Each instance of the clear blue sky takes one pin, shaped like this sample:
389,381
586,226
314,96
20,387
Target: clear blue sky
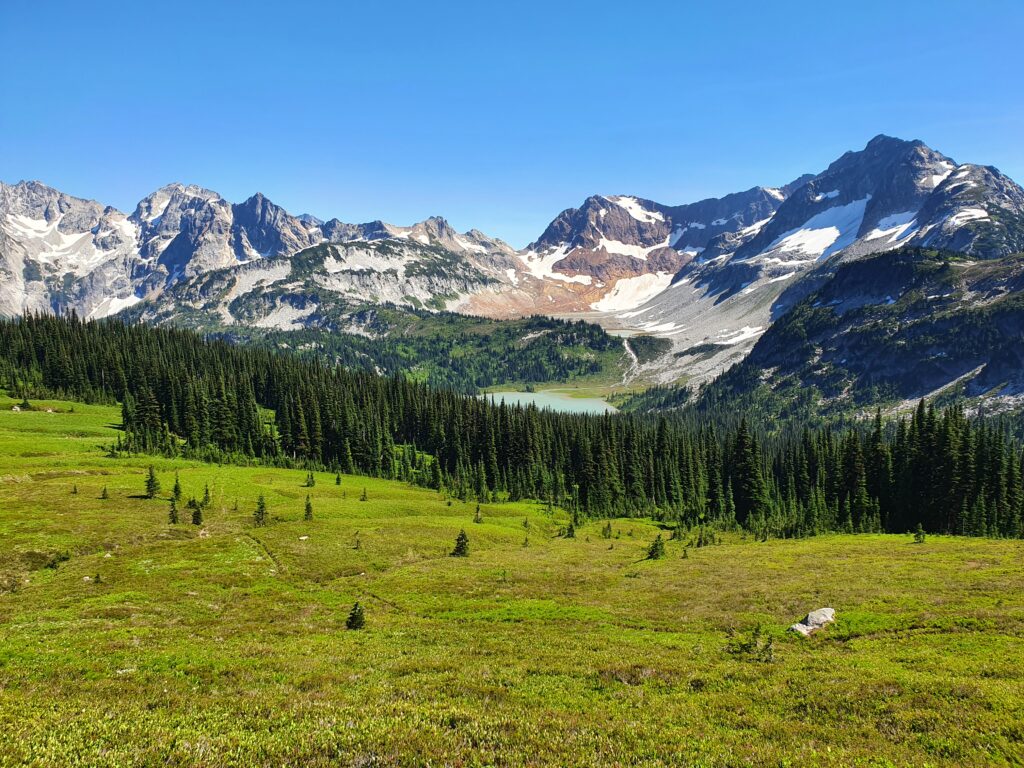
495,115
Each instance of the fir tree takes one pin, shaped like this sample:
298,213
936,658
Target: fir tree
104,494
259,516
172,513
478,517
461,545
152,483
657,549
176,492
197,511
363,496
308,515
356,617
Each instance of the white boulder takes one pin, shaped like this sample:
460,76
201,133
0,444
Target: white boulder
814,621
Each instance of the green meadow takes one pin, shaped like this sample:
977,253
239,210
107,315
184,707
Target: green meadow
125,640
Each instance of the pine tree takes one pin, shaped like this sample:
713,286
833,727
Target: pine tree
104,494
363,496
461,545
197,511
356,617
337,479
74,489
478,517
657,549
176,492
570,532
152,484
206,495
259,516
172,513
309,509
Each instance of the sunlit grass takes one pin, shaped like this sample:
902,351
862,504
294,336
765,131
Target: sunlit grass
225,644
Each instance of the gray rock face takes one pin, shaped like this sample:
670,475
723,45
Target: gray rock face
814,621
711,275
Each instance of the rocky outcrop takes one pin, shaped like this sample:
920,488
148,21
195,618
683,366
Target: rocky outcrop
814,621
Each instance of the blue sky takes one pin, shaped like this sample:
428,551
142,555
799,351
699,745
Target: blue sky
495,115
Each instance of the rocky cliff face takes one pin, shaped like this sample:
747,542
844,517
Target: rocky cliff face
893,328
711,276
891,194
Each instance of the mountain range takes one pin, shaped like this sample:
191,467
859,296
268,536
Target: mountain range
710,276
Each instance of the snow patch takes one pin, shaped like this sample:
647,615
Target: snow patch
636,210
631,292
824,233
965,215
625,249
542,266
743,334
112,305
895,227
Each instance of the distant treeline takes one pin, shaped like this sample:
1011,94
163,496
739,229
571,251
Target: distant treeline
453,351
182,394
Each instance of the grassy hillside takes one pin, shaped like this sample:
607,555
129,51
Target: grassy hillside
226,644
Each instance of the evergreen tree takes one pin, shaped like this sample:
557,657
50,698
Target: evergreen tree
152,483
308,515
259,516
176,492
172,513
104,494
197,511
461,545
657,549
356,617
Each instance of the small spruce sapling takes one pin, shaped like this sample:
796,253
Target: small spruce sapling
104,494
206,495
176,491
308,515
74,489
197,511
337,479
478,518
172,513
461,545
356,617
259,516
919,534
152,484
657,549
364,497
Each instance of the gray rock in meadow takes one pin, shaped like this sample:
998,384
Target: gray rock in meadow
814,621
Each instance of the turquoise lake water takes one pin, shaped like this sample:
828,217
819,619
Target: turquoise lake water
555,400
